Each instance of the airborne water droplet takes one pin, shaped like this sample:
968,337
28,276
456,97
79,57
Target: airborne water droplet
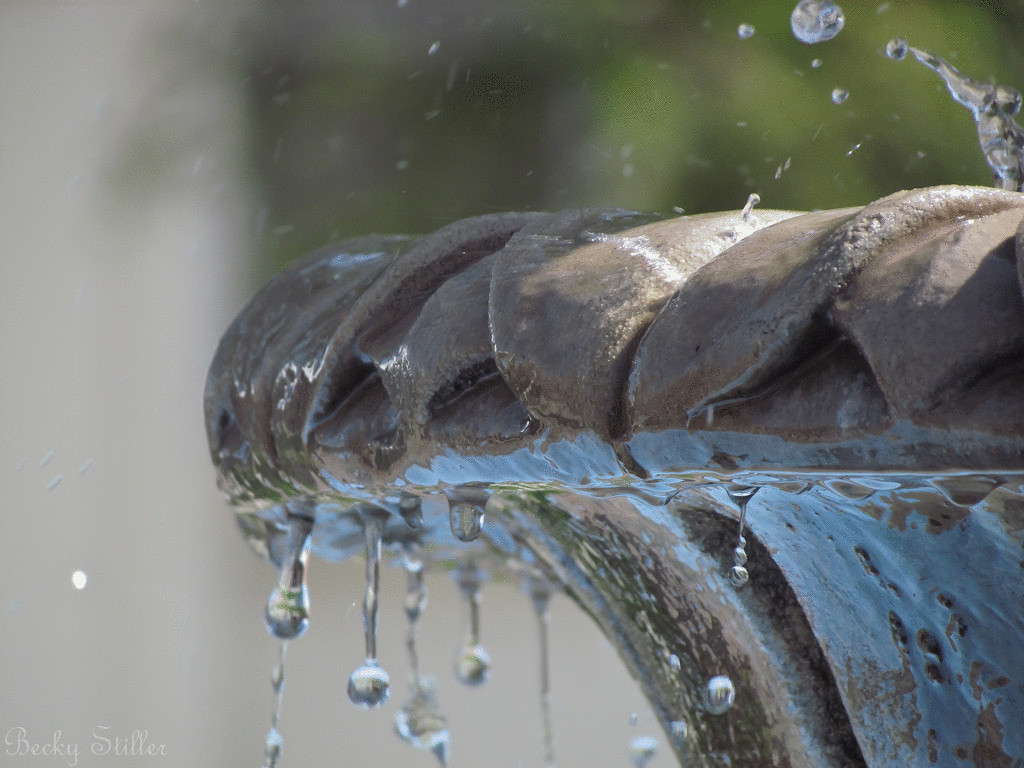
719,695
815,21
642,749
79,579
839,95
287,611
745,31
466,520
896,49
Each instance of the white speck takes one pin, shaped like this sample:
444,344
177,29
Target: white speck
745,31
434,48
401,165
79,579
839,95
432,114
816,63
85,467
47,458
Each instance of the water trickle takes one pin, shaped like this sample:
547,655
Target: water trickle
273,743
642,750
421,722
815,21
839,95
287,612
466,520
540,590
369,686
740,496
993,108
719,695
745,31
473,663
753,200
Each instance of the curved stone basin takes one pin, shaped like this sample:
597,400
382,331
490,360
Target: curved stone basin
598,381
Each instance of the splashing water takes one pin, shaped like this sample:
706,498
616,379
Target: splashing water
814,21
993,108
753,200
287,612
369,686
719,695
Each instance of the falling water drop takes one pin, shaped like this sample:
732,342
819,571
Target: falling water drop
815,21
370,685
745,31
816,63
719,695
466,520
839,95
473,663
287,612
896,49
642,750
79,579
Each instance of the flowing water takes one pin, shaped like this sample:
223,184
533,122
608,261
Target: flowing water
900,574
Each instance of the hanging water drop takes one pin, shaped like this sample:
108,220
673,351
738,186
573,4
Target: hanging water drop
466,520
719,695
473,663
370,685
745,31
421,722
839,95
411,509
287,611
642,750
896,49
815,21
741,496
272,748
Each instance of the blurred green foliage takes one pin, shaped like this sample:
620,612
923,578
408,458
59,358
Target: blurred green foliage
376,117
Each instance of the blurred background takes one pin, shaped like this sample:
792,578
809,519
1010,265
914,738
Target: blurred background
161,160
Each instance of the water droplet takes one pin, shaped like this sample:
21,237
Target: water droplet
434,48
54,482
814,21
816,63
473,662
272,748
411,509
642,749
473,665
745,31
369,686
673,661
466,520
47,458
422,723
896,49
738,576
839,95
719,695
79,579
287,612
677,729
753,200
739,556
634,718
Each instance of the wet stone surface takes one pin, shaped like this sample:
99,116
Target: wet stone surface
774,451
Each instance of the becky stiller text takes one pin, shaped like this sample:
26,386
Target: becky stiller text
103,742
